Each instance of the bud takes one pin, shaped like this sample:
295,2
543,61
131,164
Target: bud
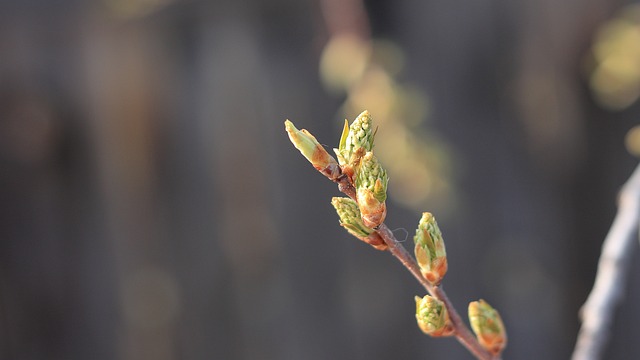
342,146
313,151
429,250
432,317
371,190
361,134
351,220
356,140
487,324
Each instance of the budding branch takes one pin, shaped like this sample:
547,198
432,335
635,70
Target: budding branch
461,332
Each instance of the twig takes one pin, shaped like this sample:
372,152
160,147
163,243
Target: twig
597,312
461,332
367,169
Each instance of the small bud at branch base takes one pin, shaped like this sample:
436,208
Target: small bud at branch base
351,220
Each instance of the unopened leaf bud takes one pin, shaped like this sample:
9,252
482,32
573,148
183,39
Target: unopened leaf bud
341,151
430,250
361,133
432,316
313,151
351,220
371,190
488,326
356,140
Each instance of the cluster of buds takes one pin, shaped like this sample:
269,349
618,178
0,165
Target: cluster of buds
351,220
487,324
429,249
355,156
362,216
355,161
432,317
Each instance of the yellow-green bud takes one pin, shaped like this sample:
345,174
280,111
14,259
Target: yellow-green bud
341,151
429,249
371,190
351,220
361,134
488,326
432,316
313,151
356,140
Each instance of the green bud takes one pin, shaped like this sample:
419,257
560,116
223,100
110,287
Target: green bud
351,220
356,140
342,146
488,326
313,151
371,190
372,176
361,134
349,214
429,249
432,316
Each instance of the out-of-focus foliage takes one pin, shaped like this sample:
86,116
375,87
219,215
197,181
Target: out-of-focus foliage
129,9
615,71
148,208
632,141
418,161
343,62
615,67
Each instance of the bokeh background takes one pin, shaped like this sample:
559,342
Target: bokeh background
152,207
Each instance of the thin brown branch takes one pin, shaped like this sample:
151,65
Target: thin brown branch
349,16
597,312
461,331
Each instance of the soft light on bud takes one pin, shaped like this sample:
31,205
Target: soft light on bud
351,220
371,190
313,151
488,326
429,249
356,140
432,316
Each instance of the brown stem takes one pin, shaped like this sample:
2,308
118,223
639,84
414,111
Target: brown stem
349,17
345,186
401,254
461,332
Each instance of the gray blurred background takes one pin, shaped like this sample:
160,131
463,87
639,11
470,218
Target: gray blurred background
152,207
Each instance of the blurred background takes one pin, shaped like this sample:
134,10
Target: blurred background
152,207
